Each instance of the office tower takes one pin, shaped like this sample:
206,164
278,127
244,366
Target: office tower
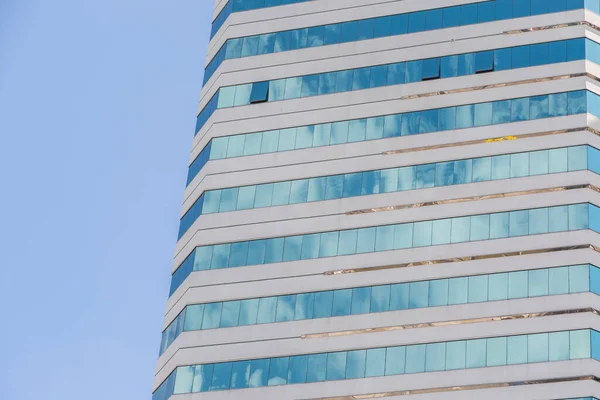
391,199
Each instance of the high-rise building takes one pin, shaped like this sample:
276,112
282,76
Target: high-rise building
391,199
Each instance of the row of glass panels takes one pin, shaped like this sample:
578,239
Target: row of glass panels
384,361
382,298
389,237
400,73
448,173
401,124
246,5
389,180
392,25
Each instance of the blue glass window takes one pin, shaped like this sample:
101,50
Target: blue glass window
393,74
393,360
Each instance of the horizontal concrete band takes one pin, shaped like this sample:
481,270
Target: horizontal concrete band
308,333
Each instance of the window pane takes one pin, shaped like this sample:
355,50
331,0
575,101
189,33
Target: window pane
415,358
336,366
347,242
441,231
278,371
342,302
422,234
456,355
482,169
285,308
498,287
370,183
212,315
299,191
361,300
230,314
202,378
419,294
304,306
538,283
579,279
380,298
375,128
558,219
501,112
193,317
537,348
460,229
399,296
435,357
280,194
274,250
499,225
558,160
323,304
395,360
517,284
458,290
267,307
327,83
366,240
464,116
375,364
476,353
539,107
356,364
317,367
558,345
292,248
259,373
538,221
248,312
403,236
310,246
184,380
538,162
483,114
316,189
579,344
329,244
480,227
558,280
478,287
240,374
298,368
519,165
221,376
517,350
496,351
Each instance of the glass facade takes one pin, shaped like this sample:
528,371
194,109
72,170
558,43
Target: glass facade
287,241
390,25
405,72
402,124
448,173
247,5
382,298
389,237
383,361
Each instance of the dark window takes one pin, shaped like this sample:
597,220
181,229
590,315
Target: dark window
260,92
431,69
484,61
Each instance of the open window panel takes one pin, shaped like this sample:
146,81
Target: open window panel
259,93
484,62
431,69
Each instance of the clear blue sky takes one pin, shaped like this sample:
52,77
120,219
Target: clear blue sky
97,109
